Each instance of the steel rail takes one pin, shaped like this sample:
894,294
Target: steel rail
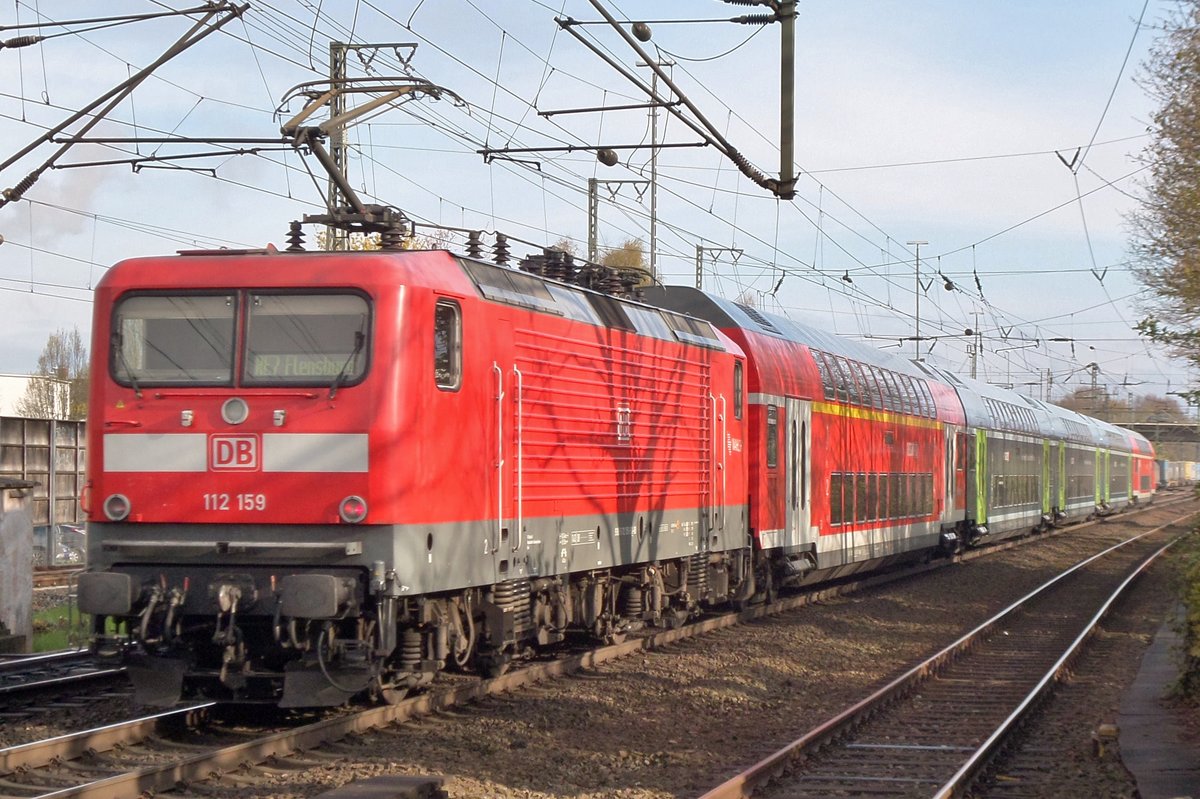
744,784
98,739
54,576
64,681
21,662
201,766
978,761
51,671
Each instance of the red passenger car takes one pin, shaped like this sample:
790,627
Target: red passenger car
849,446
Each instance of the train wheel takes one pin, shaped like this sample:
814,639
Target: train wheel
605,631
674,618
493,663
764,576
385,692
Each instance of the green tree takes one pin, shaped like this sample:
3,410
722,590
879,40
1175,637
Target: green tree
59,387
1165,229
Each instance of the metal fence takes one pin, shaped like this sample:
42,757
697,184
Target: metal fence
52,454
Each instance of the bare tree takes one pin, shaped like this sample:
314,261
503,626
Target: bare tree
630,255
59,387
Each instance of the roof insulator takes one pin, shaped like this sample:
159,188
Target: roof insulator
475,244
295,238
500,251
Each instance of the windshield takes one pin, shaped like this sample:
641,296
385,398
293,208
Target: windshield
290,339
308,339
180,339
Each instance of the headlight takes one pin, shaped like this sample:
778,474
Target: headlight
116,507
353,509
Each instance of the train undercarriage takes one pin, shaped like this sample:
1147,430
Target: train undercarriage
325,637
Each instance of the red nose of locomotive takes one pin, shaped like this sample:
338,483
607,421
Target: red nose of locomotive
234,407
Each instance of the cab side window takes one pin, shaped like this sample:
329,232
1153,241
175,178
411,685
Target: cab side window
737,390
447,345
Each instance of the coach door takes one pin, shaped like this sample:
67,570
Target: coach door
1051,474
950,476
799,490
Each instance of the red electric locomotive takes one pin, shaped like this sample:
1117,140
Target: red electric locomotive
313,475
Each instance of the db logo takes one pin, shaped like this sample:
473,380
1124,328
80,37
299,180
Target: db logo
233,453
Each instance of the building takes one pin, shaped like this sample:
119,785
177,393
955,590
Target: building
13,387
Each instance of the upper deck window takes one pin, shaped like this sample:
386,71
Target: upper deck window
826,373
868,391
879,379
306,339
927,396
173,339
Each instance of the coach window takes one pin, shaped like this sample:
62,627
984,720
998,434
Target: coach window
927,399
910,395
837,514
772,436
845,383
891,400
852,379
447,345
862,508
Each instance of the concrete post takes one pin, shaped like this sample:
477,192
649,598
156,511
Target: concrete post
16,565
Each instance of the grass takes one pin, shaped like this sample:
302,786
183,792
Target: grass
52,629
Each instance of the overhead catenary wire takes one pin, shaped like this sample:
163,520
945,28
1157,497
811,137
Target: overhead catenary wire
676,234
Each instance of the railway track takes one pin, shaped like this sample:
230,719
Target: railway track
55,576
933,731
145,755
34,683
149,755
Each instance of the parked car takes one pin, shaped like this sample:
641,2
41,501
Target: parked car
68,542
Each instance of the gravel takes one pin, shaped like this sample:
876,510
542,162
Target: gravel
677,721
46,598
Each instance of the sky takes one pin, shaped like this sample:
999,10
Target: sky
938,121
